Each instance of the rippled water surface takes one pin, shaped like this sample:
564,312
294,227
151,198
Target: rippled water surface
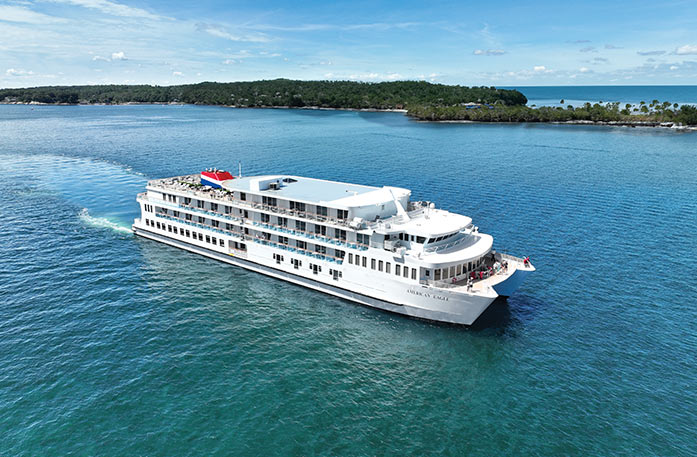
116,345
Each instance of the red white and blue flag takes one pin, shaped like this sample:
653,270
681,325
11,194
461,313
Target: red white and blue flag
215,178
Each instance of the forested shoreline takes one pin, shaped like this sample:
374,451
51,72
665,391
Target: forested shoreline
421,100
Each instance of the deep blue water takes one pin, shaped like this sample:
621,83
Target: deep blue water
115,345
578,95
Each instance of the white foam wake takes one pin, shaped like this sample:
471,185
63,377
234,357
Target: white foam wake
102,222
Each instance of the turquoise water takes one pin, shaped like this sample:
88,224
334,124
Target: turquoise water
116,345
578,95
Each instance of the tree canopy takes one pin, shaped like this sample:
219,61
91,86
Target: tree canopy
277,92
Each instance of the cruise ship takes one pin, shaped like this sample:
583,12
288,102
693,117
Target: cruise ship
370,245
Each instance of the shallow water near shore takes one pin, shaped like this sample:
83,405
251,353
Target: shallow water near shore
115,345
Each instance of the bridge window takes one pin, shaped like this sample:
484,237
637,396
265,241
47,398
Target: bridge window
398,270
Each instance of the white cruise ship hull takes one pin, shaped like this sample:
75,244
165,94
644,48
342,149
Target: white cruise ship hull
454,306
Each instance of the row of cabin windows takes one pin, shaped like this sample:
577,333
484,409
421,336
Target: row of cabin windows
407,237
169,198
456,270
441,238
148,208
187,233
380,265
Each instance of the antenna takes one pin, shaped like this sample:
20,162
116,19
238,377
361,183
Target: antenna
239,168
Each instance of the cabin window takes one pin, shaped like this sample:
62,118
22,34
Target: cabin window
320,229
301,244
398,270
387,267
215,223
200,236
341,214
208,239
372,264
215,241
365,261
265,217
340,234
380,265
320,249
420,239
188,234
428,273
350,258
214,207
363,239
169,228
300,225
322,210
413,273
459,269
201,220
199,203
188,217
406,271
412,237
243,196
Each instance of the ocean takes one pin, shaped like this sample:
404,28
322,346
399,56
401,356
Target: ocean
578,95
115,345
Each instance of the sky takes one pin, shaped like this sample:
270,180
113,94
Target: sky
501,43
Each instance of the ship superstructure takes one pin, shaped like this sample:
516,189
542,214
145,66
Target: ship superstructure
371,245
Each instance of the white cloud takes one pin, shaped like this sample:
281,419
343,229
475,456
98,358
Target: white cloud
177,73
584,70
112,8
100,58
539,68
674,67
20,14
650,53
220,32
489,52
329,75
16,72
687,49
229,61
118,56
393,76
588,49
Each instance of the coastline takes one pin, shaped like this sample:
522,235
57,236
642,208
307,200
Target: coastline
638,124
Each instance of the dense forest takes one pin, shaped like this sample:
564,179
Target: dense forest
277,92
422,100
652,113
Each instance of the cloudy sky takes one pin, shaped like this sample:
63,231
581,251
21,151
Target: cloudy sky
50,42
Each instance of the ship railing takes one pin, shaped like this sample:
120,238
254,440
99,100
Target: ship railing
310,235
199,225
296,250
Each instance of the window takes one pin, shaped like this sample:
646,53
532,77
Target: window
271,201
398,269
228,209
199,203
321,230
169,228
340,234
301,244
201,220
221,242
413,273
228,227
208,239
459,269
322,210
339,253
174,229
358,260
406,271
215,223
372,264
350,258
214,207
452,272
342,214
297,206
365,260
215,241
245,214
380,265
200,236
320,249
243,197
420,239
265,217
188,234
283,221
363,239
187,217
387,267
